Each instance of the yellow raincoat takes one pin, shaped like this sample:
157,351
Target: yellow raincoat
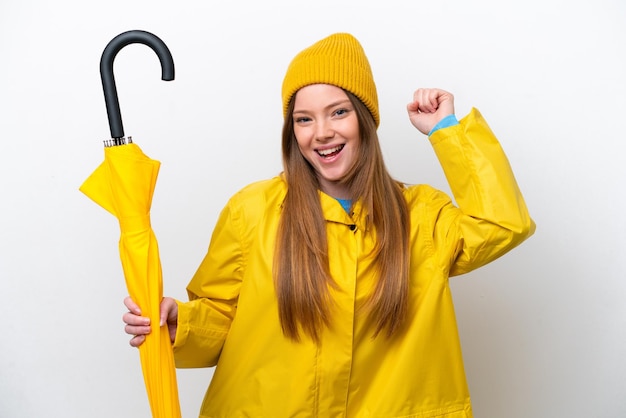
232,318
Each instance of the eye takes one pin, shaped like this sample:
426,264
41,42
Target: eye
341,112
301,119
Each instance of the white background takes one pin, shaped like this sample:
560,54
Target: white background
543,329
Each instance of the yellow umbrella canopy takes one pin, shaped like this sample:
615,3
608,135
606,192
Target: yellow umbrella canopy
124,184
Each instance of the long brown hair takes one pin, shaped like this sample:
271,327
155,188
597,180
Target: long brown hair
301,266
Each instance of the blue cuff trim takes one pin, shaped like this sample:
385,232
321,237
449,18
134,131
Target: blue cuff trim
446,122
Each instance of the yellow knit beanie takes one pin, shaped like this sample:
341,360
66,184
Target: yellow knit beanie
338,59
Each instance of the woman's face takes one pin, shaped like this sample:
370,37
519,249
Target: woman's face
327,131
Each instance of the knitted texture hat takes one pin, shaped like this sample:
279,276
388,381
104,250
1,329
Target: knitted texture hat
338,59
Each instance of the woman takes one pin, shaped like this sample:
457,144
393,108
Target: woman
324,291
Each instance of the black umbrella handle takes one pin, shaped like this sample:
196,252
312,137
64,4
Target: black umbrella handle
108,80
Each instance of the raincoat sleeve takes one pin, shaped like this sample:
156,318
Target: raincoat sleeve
492,217
204,321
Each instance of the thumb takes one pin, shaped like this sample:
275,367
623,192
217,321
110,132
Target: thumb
164,312
169,311
412,107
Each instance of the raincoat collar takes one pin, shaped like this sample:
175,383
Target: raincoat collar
334,212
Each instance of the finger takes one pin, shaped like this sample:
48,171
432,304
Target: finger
137,330
412,107
434,100
132,306
137,340
426,100
132,319
430,101
418,100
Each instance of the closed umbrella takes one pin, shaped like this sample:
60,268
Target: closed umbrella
124,185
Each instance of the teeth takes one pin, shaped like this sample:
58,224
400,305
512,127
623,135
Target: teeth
329,151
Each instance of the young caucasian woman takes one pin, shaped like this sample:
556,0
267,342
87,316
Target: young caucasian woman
324,291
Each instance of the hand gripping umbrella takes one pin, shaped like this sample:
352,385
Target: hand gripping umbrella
124,185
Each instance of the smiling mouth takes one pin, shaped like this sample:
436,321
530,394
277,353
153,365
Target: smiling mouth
330,152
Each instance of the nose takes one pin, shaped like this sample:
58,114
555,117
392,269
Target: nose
324,130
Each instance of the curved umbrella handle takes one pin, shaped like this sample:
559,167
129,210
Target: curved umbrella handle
108,80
